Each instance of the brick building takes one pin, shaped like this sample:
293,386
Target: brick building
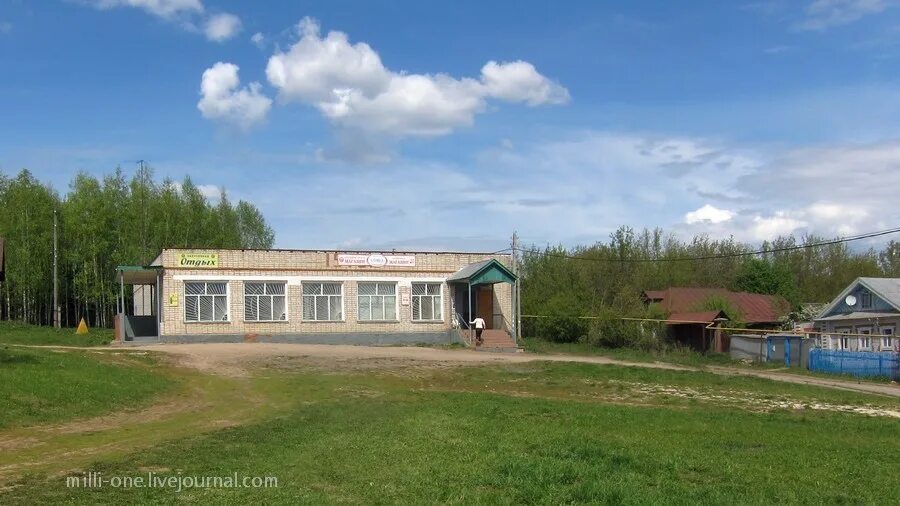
314,296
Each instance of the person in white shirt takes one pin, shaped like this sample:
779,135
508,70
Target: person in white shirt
479,328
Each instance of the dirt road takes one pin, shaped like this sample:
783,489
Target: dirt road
226,358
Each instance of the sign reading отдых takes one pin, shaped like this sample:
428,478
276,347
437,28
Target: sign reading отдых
198,260
376,260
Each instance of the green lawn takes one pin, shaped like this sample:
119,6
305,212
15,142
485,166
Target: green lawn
40,386
529,433
17,333
681,356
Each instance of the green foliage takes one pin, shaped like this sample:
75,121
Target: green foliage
717,303
772,278
609,330
104,223
562,324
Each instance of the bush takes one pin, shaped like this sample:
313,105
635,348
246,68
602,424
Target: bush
562,324
611,331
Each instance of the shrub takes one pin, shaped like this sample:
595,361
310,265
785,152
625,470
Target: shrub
611,331
562,324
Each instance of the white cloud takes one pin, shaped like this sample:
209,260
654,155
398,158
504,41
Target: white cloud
162,8
519,81
212,192
258,40
767,228
709,214
351,87
824,14
223,99
221,27
190,15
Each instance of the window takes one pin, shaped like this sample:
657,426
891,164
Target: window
264,302
865,342
323,302
377,301
205,302
426,302
841,343
887,338
865,299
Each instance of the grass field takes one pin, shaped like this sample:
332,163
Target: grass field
45,386
372,431
680,356
16,333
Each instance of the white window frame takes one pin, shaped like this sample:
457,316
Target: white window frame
841,342
264,283
413,298
315,319
864,343
184,296
887,339
396,296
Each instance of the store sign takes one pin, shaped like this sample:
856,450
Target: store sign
404,298
198,260
376,260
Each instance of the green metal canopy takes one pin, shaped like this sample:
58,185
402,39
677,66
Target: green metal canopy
486,272
138,274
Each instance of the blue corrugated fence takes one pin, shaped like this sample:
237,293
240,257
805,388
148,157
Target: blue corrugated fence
855,363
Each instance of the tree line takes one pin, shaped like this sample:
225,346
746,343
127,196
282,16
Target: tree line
102,223
608,277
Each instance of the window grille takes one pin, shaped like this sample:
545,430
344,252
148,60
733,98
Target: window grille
377,301
323,301
264,302
205,302
426,302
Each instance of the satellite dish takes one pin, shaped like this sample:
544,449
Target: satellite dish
850,300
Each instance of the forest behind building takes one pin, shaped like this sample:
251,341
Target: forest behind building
103,223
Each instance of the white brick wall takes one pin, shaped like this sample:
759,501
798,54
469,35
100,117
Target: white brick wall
235,266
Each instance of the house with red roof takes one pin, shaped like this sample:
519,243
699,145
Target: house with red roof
693,323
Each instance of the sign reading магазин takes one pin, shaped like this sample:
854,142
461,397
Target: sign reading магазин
376,260
198,260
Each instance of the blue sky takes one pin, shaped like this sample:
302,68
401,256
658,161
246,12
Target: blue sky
449,125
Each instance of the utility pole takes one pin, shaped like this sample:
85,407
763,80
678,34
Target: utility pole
56,322
143,176
517,293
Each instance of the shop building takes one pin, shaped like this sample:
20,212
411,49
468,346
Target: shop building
314,296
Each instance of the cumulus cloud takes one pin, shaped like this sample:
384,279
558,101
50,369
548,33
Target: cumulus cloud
258,40
350,86
709,214
221,27
224,99
824,14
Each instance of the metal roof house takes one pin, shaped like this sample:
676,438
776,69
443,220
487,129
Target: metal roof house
863,317
692,324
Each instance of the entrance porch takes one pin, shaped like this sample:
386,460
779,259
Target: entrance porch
139,307
474,296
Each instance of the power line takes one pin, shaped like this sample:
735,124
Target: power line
868,235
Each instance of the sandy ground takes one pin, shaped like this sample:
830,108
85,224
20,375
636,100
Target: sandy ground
227,358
